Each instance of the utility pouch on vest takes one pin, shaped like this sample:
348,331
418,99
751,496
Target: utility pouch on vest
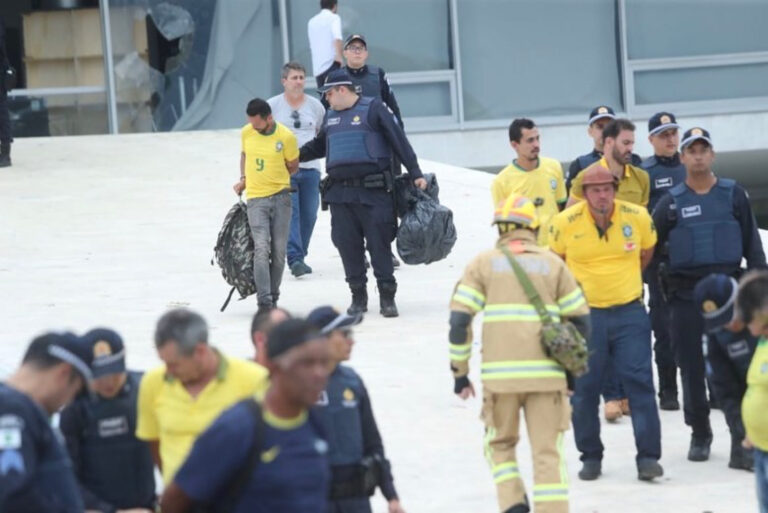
561,340
375,181
363,484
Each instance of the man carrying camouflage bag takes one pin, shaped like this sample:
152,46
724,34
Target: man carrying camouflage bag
517,371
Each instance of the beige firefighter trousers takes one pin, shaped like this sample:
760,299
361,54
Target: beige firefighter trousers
547,417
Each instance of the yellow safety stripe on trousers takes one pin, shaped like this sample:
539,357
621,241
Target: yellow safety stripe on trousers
460,352
561,453
517,312
524,369
505,471
490,434
571,302
550,492
469,297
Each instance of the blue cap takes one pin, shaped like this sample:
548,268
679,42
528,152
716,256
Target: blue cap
603,111
326,319
108,352
695,134
68,348
335,78
661,121
715,296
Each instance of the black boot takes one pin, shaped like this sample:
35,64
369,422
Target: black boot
741,458
668,389
359,300
5,155
387,299
699,449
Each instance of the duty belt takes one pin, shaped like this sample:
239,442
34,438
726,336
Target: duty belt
374,181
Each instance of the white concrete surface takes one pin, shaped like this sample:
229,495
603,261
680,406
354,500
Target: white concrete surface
114,230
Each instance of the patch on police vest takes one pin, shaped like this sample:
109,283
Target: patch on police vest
692,211
349,398
738,348
113,426
355,120
333,121
663,182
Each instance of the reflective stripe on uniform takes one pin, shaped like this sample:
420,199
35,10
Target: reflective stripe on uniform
550,492
524,369
517,312
469,297
505,472
460,352
561,454
571,302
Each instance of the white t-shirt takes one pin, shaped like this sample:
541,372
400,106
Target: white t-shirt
323,29
310,118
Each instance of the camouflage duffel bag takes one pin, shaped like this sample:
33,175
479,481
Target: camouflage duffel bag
563,342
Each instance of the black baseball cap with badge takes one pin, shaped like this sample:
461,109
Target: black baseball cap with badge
603,111
326,319
335,78
662,121
108,352
68,348
695,134
715,295
355,37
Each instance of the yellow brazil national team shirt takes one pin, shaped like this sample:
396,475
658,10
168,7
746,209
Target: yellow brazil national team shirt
754,407
634,187
544,182
606,265
169,414
265,157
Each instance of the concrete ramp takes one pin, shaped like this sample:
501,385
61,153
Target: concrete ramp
112,231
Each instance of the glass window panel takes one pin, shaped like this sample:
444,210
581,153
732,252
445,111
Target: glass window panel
402,35
700,84
72,114
548,57
423,100
681,28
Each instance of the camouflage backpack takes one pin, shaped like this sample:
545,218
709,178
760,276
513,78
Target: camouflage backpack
560,340
234,253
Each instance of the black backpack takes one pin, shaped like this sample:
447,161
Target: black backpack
234,253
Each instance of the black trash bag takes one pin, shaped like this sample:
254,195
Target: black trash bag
426,233
406,194
234,253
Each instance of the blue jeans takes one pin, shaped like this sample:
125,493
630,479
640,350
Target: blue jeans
761,474
622,335
612,389
304,214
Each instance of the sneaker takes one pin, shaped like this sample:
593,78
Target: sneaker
590,470
699,449
299,268
648,470
612,410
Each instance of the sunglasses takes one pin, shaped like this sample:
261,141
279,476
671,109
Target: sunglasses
296,120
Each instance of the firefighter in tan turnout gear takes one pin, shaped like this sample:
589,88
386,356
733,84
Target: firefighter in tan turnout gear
516,372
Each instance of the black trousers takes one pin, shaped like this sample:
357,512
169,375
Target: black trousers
658,310
5,117
687,330
357,226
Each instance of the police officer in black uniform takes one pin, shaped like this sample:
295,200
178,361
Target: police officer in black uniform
357,138
5,118
114,468
355,449
599,118
665,171
35,471
706,225
728,349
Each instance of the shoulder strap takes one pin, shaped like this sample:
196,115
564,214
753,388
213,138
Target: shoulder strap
528,287
236,486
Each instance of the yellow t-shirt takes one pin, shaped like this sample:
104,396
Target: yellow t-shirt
265,158
545,182
755,403
168,414
634,187
607,266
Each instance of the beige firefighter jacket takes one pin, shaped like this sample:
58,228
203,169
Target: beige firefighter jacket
513,359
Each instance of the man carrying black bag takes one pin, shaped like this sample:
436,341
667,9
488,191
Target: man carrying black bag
358,136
